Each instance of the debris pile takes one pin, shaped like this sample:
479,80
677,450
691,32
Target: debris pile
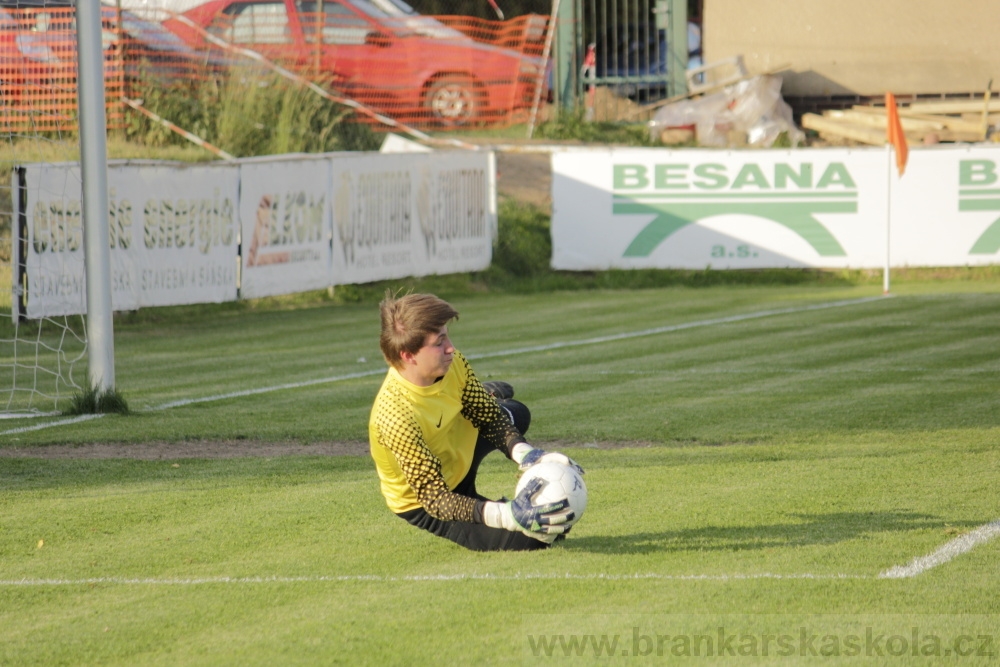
749,112
923,122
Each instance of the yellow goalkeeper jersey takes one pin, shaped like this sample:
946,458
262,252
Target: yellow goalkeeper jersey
423,439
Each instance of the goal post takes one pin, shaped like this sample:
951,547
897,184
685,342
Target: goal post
94,175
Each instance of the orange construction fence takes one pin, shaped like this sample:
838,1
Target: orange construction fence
427,71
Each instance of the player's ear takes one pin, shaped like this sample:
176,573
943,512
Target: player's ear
406,357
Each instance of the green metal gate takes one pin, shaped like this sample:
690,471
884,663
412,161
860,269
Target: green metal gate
621,53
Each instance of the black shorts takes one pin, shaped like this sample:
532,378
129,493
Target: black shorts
478,536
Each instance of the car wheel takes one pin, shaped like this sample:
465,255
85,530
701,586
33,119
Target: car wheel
453,100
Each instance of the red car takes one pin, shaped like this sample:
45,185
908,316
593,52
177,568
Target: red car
38,60
378,52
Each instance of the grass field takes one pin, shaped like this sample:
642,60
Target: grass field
777,475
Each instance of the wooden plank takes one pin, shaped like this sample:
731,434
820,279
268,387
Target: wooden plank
960,136
912,135
954,106
879,120
956,123
949,122
993,118
859,133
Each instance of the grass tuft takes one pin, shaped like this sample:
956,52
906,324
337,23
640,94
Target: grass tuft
571,125
96,401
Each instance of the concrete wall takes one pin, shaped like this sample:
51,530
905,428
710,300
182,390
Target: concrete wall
860,47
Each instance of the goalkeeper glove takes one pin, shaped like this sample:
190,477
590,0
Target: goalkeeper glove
522,514
526,456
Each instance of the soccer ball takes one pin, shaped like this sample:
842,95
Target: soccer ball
563,482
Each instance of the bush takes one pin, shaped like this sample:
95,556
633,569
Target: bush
524,246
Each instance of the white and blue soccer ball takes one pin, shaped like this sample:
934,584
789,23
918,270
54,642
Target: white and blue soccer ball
563,482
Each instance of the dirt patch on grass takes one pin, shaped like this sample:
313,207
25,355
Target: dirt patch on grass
232,449
525,177
165,451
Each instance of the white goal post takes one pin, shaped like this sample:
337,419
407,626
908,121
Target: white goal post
94,172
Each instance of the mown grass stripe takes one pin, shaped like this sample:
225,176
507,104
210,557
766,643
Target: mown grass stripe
596,340
942,555
348,578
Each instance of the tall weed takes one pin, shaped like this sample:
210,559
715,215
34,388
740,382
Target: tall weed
248,113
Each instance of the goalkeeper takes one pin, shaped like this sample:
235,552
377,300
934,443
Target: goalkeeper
432,424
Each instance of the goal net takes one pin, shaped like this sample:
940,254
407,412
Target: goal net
42,361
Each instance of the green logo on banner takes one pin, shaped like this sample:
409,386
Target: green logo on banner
974,179
678,195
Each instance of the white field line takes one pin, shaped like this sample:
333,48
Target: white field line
27,415
61,422
430,578
944,554
948,551
265,390
597,340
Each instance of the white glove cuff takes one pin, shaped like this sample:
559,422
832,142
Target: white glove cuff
519,451
499,515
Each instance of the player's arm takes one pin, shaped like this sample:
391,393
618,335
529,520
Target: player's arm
486,415
423,471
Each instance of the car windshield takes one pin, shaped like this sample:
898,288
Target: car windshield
152,34
396,7
397,16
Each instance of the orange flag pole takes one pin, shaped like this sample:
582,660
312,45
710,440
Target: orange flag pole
895,139
894,132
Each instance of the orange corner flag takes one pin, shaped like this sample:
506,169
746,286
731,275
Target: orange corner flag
894,132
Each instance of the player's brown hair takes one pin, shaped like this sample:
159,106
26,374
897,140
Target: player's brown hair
407,320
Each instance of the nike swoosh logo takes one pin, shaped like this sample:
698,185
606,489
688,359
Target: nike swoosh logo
439,420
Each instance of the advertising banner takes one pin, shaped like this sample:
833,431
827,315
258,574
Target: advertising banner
946,208
455,211
284,214
184,227
172,236
182,234
54,260
397,215
697,209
